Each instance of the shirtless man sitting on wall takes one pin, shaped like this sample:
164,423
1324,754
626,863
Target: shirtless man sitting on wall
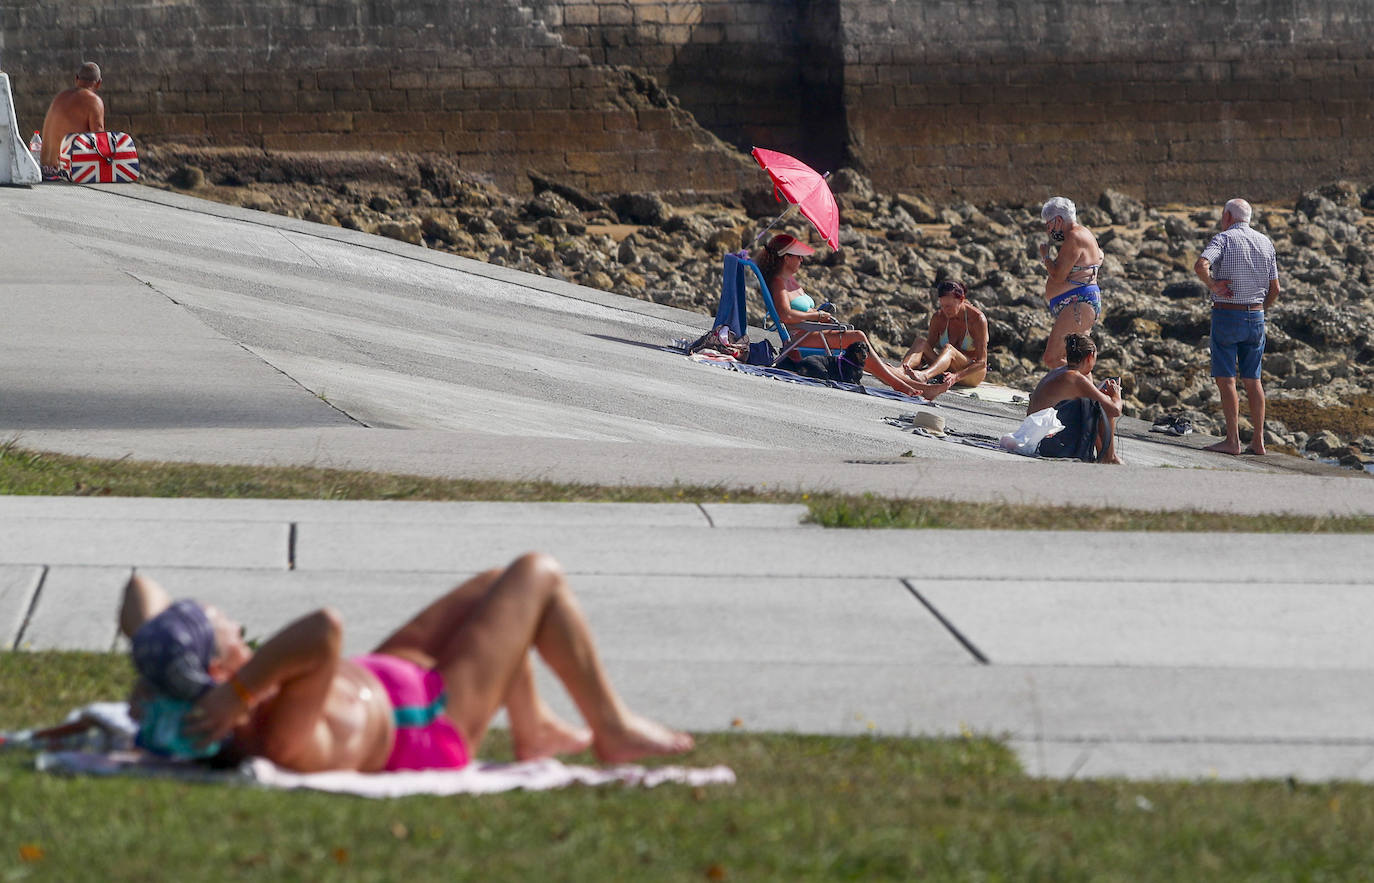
1088,411
77,109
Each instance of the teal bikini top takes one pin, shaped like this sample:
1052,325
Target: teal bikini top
968,338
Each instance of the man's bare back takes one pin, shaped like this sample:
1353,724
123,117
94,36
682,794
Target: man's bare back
77,109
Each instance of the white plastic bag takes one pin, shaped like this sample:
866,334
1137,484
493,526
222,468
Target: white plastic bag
1037,427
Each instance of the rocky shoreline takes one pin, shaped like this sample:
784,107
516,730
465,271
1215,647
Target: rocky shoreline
1319,367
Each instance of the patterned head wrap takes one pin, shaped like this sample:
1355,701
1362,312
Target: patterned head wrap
172,651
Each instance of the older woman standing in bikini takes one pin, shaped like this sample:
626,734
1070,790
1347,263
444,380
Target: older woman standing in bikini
957,341
779,262
1071,291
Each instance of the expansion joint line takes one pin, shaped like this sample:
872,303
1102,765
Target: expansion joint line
949,626
291,547
257,356
33,608
710,522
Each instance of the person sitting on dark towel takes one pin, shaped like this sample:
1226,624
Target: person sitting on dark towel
1088,411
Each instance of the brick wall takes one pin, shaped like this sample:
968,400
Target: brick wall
756,72
1167,100
484,81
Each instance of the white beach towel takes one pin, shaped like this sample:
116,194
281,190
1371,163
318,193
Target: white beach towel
477,778
112,728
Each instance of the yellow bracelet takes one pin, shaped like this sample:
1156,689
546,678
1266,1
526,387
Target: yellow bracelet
240,691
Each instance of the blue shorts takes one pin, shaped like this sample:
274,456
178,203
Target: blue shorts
1237,339
1083,294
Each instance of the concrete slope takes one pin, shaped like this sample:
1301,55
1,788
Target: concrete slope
159,326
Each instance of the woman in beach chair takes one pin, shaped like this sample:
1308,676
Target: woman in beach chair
420,700
957,341
779,261
1071,292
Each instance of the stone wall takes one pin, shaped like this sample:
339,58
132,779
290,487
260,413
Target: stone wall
1168,100
1196,100
764,73
486,82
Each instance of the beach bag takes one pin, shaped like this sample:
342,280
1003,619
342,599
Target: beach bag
762,352
99,158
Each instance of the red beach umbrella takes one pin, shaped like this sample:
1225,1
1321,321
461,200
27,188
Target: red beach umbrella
803,187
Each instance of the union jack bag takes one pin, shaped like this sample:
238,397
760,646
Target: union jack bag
99,158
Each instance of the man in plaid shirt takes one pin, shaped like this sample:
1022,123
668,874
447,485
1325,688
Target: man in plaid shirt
1241,270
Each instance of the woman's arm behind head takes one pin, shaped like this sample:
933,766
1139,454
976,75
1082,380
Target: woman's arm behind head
143,599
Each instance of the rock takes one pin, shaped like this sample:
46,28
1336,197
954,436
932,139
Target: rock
641,208
628,253
256,201
578,198
886,323
1324,443
1121,208
404,232
629,279
1094,217
919,209
694,227
1185,290
853,186
381,204
549,204
598,279
1145,327
1310,236
320,216
1355,459
478,226
551,227
439,227
1345,194
878,264
722,241
1180,231
187,178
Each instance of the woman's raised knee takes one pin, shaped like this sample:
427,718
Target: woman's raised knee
539,566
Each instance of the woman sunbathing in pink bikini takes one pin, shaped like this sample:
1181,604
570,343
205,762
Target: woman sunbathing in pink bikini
421,700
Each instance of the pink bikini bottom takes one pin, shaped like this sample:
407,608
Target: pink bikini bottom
425,737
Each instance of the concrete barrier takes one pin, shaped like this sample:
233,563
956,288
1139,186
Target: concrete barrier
17,166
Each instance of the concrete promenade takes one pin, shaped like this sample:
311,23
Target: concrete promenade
160,327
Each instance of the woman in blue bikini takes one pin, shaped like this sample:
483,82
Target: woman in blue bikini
1071,291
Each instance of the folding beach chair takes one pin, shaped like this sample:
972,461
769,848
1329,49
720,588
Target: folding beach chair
733,298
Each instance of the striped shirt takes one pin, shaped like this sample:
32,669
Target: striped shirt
1245,258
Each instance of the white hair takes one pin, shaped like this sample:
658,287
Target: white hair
1059,207
1239,209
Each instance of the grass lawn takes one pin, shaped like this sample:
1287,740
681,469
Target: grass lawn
805,808
25,472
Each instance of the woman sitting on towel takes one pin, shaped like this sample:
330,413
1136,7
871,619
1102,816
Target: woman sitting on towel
779,261
421,700
1071,292
1088,411
957,341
